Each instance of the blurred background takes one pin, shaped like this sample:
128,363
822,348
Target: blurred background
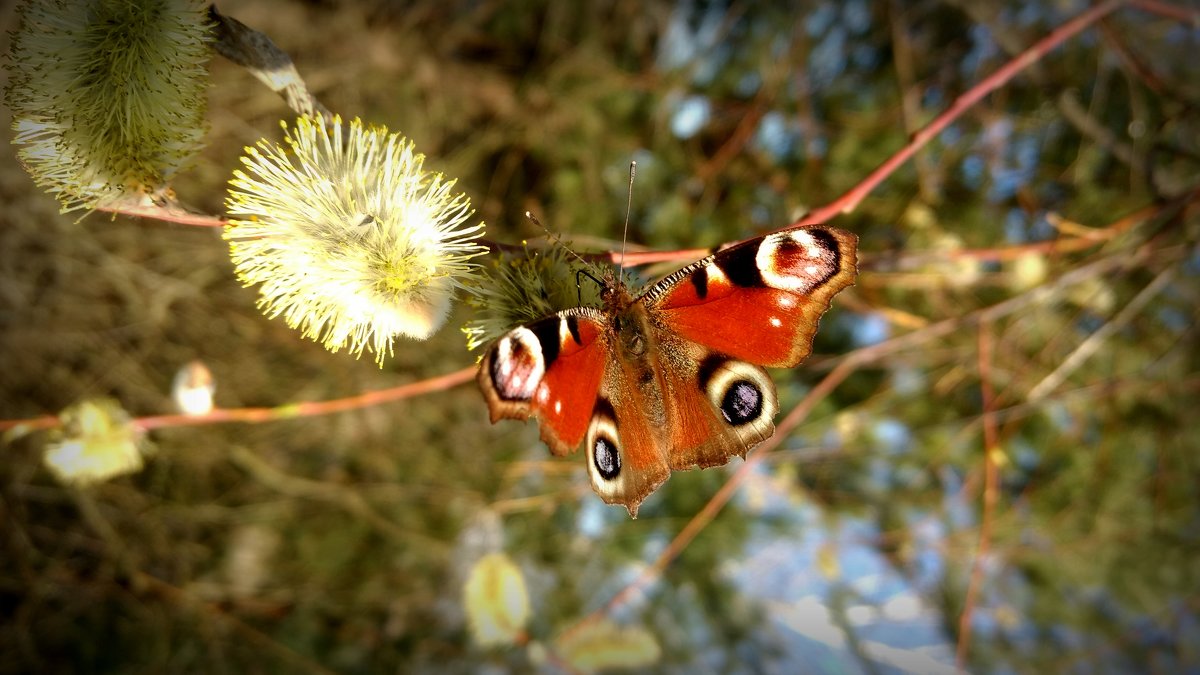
1040,255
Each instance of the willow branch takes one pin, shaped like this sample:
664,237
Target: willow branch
1089,346
282,412
990,490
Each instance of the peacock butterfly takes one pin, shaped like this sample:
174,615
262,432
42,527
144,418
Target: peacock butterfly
673,378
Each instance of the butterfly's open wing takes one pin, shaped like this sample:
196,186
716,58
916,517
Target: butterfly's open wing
561,371
551,370
755,304
759,301
627,443
720,408
695,409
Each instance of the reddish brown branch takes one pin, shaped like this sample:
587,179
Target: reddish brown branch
282,412
990,483
1177,12
851,199
312,408
170,212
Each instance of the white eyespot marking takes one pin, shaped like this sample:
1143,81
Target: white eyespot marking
517,366
558,407
786,302
543,394
811,248
794,261
776,322
715,276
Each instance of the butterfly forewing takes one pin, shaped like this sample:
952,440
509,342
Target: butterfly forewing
549,369
759,301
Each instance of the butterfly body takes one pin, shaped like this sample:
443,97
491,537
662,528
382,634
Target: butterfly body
673,378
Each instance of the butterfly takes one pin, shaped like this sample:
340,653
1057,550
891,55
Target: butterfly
673,378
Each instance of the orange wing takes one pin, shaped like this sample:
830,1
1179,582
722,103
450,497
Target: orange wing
759,301
551,370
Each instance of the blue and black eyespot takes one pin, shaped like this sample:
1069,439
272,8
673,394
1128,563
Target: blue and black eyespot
606,453
742,403
730,386
606,458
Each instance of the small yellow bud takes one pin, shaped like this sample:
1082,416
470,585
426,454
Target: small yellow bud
96,442
193,388
496,600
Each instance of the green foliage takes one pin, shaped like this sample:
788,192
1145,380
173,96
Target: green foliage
345,541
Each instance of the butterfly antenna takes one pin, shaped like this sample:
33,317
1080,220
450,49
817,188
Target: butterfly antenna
557,239
628,209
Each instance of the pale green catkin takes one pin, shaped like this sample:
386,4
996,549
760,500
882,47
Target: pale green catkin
108,96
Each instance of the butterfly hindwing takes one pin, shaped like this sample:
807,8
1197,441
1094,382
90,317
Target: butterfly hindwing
628,455
692,408
719,408
759,301
550,369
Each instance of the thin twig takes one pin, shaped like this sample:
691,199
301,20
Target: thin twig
851,199
282,412
748,125
313,408
1093,341
345,497
1177,12
168,212
254,635
990,485
1074,112
910,98
1012,305
1077,240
